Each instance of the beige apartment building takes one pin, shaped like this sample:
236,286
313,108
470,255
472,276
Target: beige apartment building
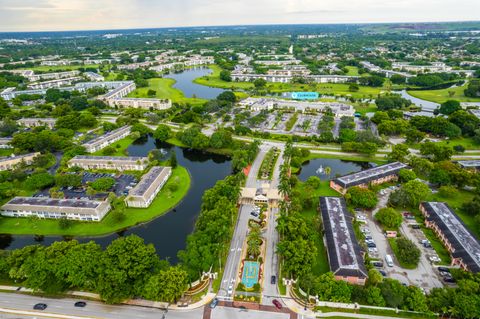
10,162
118,163
143,194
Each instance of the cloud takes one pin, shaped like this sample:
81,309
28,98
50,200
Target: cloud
37,15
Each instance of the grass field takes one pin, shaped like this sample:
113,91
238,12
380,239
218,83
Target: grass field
164,202
165,90
120,151
440,96
213,80
6,151
320,265
352,71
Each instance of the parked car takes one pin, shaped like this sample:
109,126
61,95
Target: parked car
255,214
214,303
383,273
449,280
80,304
40,306
416,226
377,264
230,289
277,304
371,245
444,269
273,280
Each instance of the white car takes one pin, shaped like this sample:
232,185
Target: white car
373,250
230,289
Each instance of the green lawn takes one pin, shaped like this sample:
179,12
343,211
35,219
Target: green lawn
440,96
165,90
213,80
120,151
163,203
352,71
320,265
6,151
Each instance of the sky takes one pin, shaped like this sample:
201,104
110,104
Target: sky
58,15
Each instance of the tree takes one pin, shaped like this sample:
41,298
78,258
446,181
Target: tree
398,79
173,159
406,175
399,153
162,133
374,277
167,286
389,218
225,76
151,93
125,267
109,150
436,152
449,107
361,197
414,136
39,181
353,87
260,83
102,184
410,194
228,96
407,252
66,180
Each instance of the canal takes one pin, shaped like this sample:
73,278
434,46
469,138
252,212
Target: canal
168,232
184,82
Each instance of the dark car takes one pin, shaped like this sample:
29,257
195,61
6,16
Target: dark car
384,274
444,269
40,306
371,245
214,303
277,304
273,280
80,304
254,214
415,226
449,279
377,264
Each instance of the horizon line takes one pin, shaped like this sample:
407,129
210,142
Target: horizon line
246,25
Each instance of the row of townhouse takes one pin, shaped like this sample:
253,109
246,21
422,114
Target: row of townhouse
143,194
11,162
107,139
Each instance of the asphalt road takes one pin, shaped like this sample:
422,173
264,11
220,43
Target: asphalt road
231,267
235,313
93,309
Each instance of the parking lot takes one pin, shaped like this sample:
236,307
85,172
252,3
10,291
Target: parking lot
123,183
425,276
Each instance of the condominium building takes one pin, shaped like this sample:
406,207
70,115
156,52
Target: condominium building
120,91
463,246
243,77
10,162
433,67
143,194
470,164
377,175
35,122
140,103
344,254
119,163
107,139
51,76
259,104
278,62
44,207
53,83
92,76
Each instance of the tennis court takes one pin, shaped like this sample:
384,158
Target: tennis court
250,273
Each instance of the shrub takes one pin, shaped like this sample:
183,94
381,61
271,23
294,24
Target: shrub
361,197
389,218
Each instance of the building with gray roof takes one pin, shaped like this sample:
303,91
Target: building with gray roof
376,175
119,163
344,254
107,139
463,246
143,194
44,207
470,164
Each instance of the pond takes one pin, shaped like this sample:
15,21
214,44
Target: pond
185,83
169,232
316,167
424,104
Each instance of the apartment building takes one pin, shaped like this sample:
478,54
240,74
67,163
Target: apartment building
344,254
5,142
462,245
44,207
53,83
433,67
140,103
51,76
92,76
244,77
375,176
470,164
143,194
10,162
35,122
118,163
107,139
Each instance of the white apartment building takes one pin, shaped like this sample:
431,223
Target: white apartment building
118,163
51,76
35,122
10,162
143,194
53,83
434,67
92,76
140,103
241,77
44,207
107,139
5,142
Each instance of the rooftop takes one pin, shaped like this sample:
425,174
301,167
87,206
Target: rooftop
466,245
370,174
147,180
470,163
110,158
343,250
54,202
107,135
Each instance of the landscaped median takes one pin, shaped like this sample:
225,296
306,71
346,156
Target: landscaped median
164,202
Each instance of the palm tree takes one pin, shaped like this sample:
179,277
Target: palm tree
327,170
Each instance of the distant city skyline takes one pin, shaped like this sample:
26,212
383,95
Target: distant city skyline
61,15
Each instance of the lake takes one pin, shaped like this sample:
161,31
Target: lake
169,232
315,167
424,104
185,83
